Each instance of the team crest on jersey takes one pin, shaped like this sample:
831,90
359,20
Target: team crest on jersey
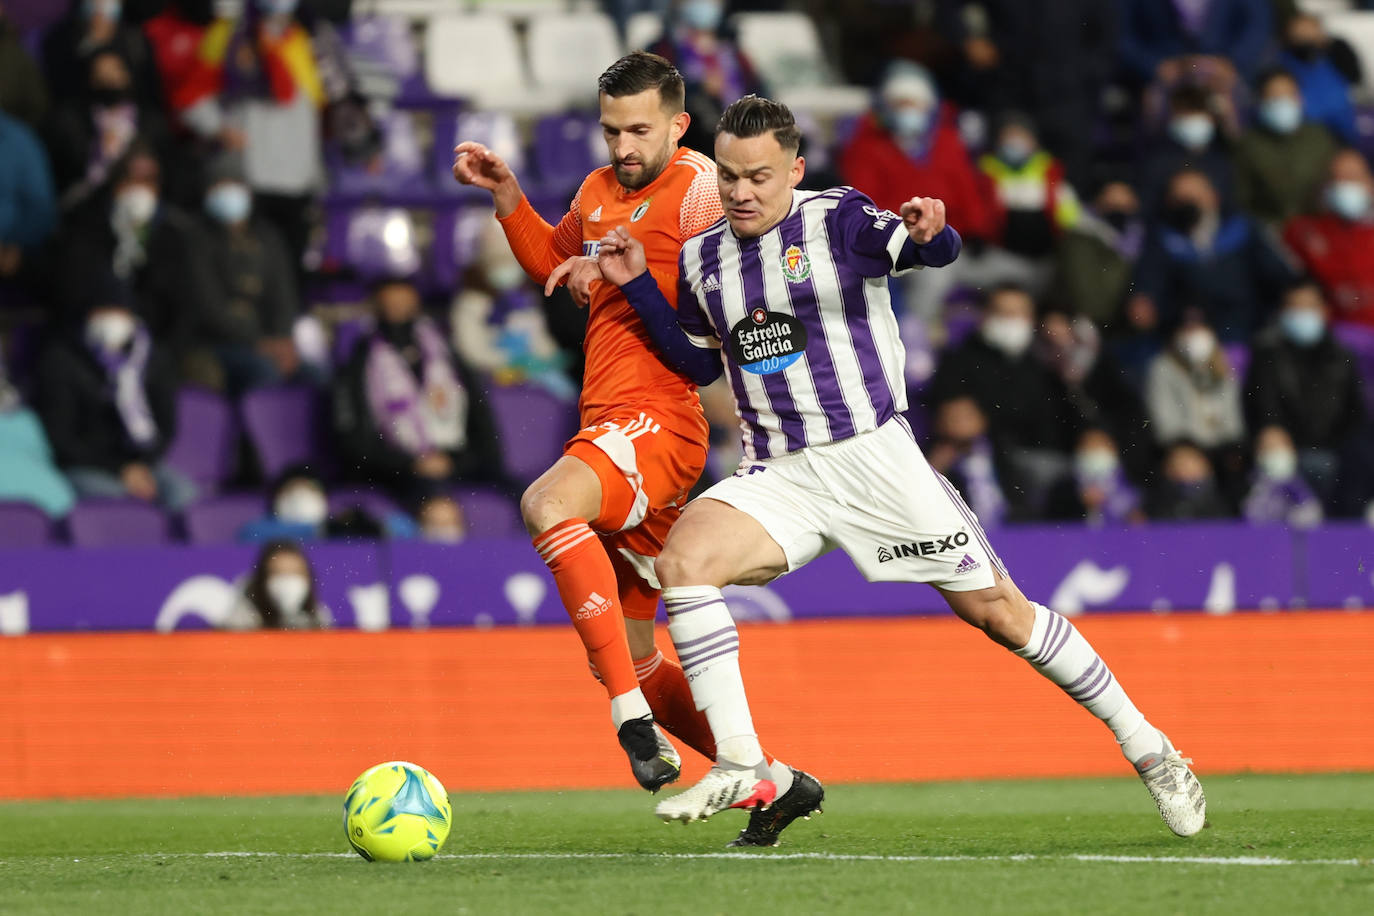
796,266
640,211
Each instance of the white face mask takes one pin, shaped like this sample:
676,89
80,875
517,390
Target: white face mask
134,206
505,276
1096,463
288,591
1278,463
1197,345
301,506
110,331
1008,333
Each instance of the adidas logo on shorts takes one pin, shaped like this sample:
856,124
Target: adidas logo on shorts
967,564
594,606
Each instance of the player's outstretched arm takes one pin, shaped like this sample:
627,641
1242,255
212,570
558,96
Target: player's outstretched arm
476,165
924,218
623,262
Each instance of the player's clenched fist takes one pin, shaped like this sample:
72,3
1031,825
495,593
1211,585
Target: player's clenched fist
924,218
621,257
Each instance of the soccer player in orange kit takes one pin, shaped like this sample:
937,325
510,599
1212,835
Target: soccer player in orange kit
600,515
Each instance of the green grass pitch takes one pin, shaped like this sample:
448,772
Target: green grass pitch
1277,844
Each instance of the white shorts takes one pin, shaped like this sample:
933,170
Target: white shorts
875,497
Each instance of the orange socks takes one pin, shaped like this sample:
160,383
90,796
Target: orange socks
587,585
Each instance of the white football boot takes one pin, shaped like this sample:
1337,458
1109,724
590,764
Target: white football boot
718,790
1176,791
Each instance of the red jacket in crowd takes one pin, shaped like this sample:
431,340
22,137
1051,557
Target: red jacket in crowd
1340,255
874,163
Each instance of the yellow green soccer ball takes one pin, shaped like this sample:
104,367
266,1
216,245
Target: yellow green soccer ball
397,812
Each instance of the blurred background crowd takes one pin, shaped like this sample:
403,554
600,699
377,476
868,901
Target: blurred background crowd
241,297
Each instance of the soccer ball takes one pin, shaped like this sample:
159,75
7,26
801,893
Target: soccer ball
396,812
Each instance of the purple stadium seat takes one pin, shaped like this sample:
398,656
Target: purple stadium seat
566,147
457,233
398,177
489,513
117,523
286,426
494,129
382,242
373,502
24,525
207,439
218,520
533,425
385,58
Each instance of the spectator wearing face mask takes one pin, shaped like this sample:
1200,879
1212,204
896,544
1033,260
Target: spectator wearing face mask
908,141
108,400
1278,494
441,520
1191,141
715,72
1096,257
410,416
27,471
1303,380
245,300
298,510
1335,244
1035,203
1029,417
90,133
498,323
1098,490
140,239
1187,487
963,453
1199,254
1191,394
91,26
1281,160
279,593
1326,69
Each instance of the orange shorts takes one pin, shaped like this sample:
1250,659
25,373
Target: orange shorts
646,471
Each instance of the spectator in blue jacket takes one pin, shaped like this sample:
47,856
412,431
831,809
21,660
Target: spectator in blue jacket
1325,69
1161,39
27,470
1198,254
28,204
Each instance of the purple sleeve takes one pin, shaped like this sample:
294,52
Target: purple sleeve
876,243
681,348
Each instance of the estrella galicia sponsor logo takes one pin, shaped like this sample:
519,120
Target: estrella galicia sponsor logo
796,265
887,554
765,342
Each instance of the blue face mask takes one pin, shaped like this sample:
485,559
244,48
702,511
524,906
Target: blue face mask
909,122
1348,199
229,203
1193,131
1014,152
1281,115
110,9
1303,327
701,14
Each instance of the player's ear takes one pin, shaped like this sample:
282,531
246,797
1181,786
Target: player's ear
678,126
798,172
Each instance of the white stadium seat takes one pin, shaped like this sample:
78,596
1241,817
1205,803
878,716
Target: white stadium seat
478,58
785,48
642,30
410,9
518,9
1358,30
568,52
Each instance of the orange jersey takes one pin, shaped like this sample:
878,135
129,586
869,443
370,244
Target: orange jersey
624,372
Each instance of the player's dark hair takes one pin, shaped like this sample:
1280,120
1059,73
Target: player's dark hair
752,116
640,71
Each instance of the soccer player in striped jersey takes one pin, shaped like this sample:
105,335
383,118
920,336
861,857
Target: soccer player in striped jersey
788,296
599,516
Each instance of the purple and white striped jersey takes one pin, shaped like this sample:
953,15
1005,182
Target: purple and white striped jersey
803,315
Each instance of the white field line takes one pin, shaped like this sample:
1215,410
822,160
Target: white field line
759,857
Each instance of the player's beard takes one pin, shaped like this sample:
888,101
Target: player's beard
649,170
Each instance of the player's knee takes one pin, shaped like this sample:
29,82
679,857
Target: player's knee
998,617
541,509
676,568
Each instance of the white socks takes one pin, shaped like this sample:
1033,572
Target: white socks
708,647
629,705
1058,651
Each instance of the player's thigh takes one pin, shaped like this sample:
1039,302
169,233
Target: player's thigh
716,544
1001,611
642,467
569,489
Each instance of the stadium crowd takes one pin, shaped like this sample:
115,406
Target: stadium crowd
1164,308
